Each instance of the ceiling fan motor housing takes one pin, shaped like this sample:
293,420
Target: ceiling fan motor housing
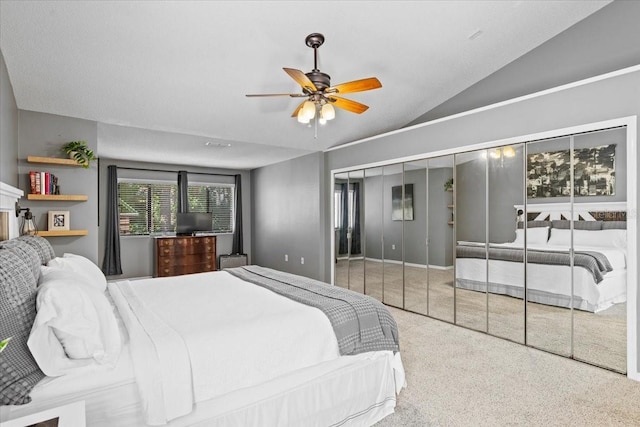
319,79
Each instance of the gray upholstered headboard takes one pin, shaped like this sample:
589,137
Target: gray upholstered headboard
20,261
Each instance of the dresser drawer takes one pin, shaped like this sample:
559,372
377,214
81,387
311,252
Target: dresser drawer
168,260
185,255
177,270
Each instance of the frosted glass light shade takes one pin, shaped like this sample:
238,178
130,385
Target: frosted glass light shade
302,118
308,110
328,112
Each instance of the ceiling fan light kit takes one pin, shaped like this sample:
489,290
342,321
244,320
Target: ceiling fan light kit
321,96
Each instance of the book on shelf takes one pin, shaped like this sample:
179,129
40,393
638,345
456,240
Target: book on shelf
42,182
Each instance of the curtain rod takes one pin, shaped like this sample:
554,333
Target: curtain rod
164,170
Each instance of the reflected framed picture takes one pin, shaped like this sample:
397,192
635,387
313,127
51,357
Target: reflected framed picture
397,206
58,220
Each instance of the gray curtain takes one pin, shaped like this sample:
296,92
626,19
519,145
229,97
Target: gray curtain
183,188
237,232
355,233
343,243
111,264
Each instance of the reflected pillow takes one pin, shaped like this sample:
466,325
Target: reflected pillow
535,236
560,237
89,272
603,238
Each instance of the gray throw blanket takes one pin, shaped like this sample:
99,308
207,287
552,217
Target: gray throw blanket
594,262
360,322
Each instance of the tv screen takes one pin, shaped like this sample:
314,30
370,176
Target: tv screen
189,223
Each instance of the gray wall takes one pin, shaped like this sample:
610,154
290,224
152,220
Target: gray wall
43,134
377,196
603,42
287,209
137,251
8,129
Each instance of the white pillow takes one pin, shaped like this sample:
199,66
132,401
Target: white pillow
560,237
75,327
614,238
535,236
83,267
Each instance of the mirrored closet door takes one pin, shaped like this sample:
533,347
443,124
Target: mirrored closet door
525,241
505,190
470,199
416,259
600,305
549,287
356,228
341,229
373,220
440,238
392,196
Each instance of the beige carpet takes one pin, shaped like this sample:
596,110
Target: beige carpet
599,338
459,377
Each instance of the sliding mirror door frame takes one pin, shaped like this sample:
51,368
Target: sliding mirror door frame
630,122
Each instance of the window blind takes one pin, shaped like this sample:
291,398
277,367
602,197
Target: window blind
147,207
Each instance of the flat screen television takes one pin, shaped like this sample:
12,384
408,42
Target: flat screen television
191,222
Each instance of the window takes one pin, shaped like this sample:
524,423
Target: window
151,207
337,213
217,199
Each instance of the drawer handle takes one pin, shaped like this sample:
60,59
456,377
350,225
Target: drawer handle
166,270
166,261
166,251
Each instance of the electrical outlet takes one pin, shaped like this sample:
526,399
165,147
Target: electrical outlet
286,258
302,260
393,247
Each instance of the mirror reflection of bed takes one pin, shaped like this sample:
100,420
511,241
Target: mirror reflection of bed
598,297
417,263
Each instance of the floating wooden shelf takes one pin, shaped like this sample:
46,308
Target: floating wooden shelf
52,161
56,233
59,197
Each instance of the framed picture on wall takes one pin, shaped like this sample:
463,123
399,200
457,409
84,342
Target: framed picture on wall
594,172
58,220
396,203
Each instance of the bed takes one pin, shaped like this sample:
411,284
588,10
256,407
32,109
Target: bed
222,348
599,273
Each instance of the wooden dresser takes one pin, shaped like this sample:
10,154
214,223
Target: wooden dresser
184,255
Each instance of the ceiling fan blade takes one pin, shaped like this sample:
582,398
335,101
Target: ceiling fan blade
295,112
301,78
347,104
355,86
292,95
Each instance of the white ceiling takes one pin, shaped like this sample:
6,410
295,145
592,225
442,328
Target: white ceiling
184,67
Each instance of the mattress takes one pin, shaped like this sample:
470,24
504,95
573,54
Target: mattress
548,284
112,398
341,390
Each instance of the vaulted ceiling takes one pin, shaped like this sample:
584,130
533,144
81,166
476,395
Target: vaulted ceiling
169,77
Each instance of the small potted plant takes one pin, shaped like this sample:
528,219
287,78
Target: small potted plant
80,152
448,185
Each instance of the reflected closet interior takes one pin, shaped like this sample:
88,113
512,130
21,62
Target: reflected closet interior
525,241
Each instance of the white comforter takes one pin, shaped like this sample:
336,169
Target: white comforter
223,334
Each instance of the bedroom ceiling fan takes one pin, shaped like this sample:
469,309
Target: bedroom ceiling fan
321,96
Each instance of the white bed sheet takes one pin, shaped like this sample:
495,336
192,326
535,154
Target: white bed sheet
348,390
553,282
183,342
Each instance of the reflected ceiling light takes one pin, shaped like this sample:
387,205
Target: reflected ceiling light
500,153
